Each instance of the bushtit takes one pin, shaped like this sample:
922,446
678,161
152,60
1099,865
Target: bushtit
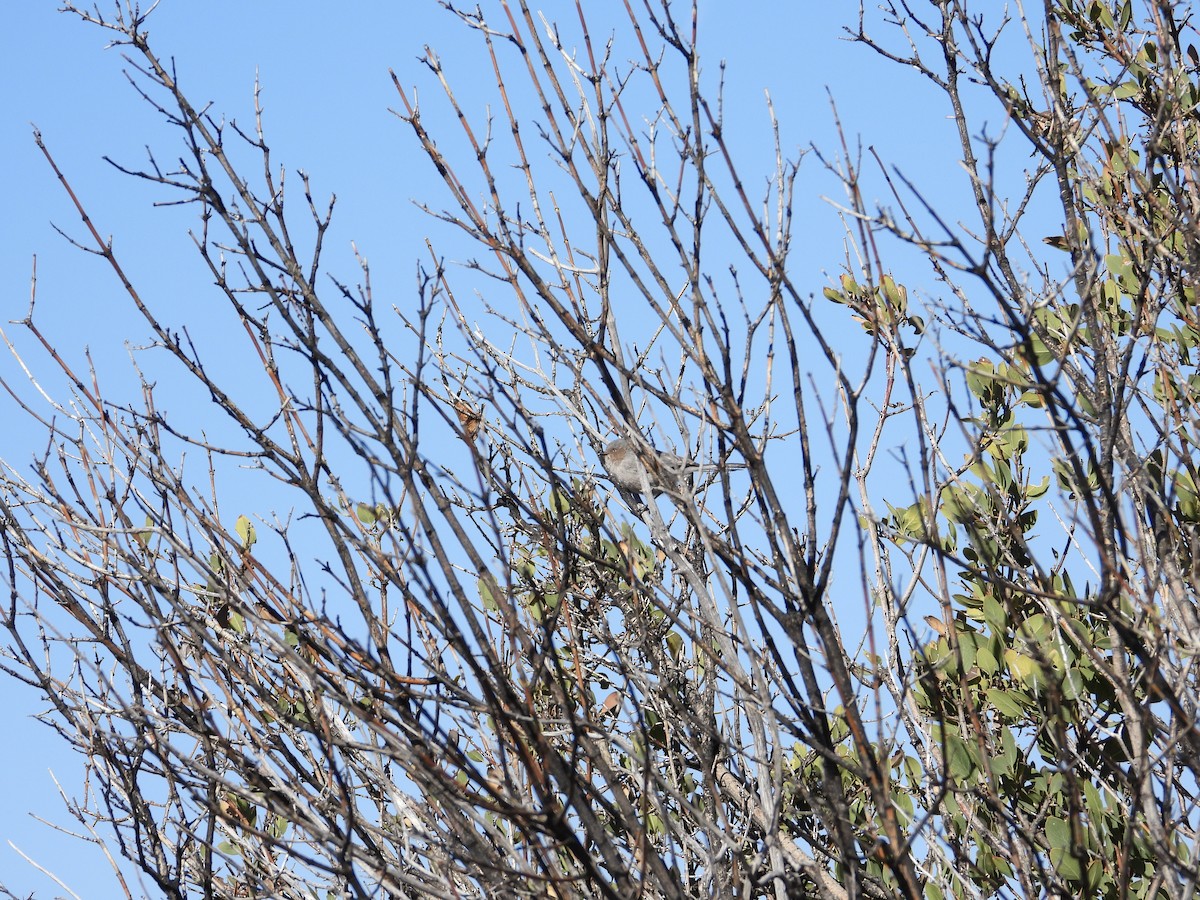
632,467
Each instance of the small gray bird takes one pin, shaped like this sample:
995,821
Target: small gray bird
633,469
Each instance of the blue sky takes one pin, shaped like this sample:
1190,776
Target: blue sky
325,85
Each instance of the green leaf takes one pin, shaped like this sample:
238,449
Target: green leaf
1058,832
1004,702
525,566
1099,13
144,535
1023,668
987,662
1008,443
959,763
560,502
675,643
961,503
1187,496
968,644
245,530
1042,354
1037,629
981,379
1126,89
1058,835
1038,489
537,609
365,513
1004,762
1074,686
895,295
994,613
486,595
277,827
